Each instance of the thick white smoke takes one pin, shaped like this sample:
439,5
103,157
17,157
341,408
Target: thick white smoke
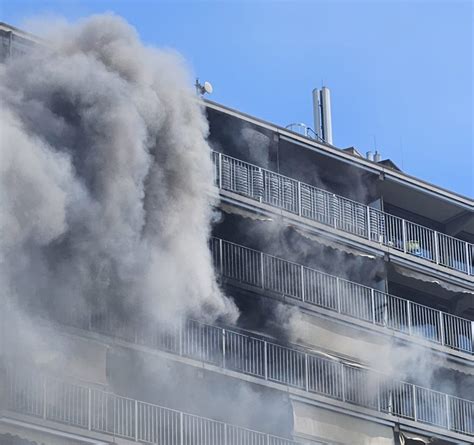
106,177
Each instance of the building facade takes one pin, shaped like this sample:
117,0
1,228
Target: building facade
355,286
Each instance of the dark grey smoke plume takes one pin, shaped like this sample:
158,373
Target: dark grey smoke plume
105,177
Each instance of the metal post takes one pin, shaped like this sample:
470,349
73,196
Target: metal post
441,328
219,165
89,409
221,259
436,242
136,420
338,295
343,382
299,198
181,325
181,428
372,298
409,317
262,269
468,262
448,419
306,375
404,235
303,297
223,348
45,406
265,360
415,410
368,223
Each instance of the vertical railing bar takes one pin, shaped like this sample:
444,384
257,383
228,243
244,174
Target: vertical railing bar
368,224
468,262
299,197
136,419
262,269
441,328
89,409
303,291
410,322
338,295
265,359
221,257
223,348
404,235
436,246
306,374
372,297
415,403
45,406
219,166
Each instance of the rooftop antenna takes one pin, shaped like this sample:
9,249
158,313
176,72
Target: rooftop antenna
322,114
203,89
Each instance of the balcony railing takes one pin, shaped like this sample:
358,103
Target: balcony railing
294,367
99,411
341,213
317,288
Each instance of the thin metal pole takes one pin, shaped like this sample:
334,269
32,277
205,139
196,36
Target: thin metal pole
223,348
409,317
441,327
299,197
219,165
265,360
404,235
136,420
89,409
372,299
368,224
415,409
303,296
436,245
221,259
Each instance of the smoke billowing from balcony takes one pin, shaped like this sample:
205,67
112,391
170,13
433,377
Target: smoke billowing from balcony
106,178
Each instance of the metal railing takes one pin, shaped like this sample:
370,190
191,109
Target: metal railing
317,288
308,371
100,411
341,213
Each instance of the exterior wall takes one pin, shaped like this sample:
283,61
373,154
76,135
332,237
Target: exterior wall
312,421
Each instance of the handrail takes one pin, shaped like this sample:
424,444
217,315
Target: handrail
101,411
296,367
264,271
342,213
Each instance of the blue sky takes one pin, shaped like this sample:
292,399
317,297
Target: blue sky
399,71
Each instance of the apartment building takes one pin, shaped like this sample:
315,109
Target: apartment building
355,287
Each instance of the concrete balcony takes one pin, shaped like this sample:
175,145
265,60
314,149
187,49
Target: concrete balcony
315,290
409,242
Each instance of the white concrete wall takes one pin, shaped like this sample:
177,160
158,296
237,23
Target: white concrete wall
312,422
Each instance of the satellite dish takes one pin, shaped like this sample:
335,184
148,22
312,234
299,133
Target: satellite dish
207,87
203,89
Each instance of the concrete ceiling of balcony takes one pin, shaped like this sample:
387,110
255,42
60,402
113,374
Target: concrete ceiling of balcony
455,217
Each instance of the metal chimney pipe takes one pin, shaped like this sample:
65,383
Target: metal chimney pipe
377,156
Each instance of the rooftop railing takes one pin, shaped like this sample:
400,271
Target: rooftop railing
317,288
298,368
341,213
81,406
